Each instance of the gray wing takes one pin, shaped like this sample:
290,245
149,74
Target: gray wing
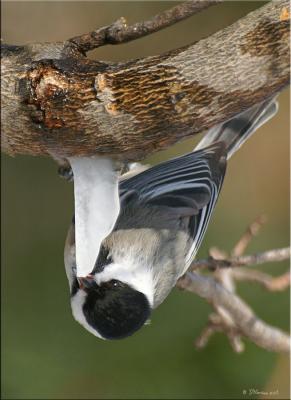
239,128
188,186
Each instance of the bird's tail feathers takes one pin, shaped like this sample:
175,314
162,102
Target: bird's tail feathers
237,130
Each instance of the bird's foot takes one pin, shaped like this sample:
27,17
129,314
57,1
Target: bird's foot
65,171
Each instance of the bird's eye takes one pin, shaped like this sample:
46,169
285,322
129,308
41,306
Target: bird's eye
115,283
109,259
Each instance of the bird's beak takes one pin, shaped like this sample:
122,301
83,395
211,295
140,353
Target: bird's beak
86,282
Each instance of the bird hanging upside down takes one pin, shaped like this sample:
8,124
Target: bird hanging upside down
120,270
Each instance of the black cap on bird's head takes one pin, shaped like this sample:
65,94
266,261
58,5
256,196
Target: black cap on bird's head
113,309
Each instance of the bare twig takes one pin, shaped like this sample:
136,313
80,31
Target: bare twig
232,316
271,283
120,32
245,320
252,230
217,324
254,259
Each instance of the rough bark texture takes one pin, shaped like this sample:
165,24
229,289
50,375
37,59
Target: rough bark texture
56,101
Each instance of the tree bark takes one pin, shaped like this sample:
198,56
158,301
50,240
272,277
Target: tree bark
55,101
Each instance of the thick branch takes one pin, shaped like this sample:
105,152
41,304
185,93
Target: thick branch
63,104
120,32
245,320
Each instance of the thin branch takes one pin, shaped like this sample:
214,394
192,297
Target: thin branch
252,230
246,321
232,316
271,283
218,324
120,32
254,259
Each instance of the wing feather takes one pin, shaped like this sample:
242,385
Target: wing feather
189,185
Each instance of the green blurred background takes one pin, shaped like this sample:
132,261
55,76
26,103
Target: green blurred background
45,353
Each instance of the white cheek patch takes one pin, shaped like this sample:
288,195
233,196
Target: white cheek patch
77,310
96,207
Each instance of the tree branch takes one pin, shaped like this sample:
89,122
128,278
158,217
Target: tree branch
254,259
252,230
120,32
271,283
245,320
232,315
63,104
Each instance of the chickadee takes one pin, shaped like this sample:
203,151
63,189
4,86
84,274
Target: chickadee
164,213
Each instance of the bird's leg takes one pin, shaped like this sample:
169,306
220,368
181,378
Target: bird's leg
65,171
64,168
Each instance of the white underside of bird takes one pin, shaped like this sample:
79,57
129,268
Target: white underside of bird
96,207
